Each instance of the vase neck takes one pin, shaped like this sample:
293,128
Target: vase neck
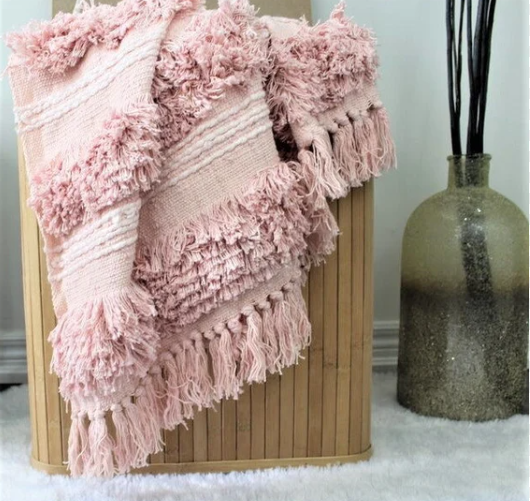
469,171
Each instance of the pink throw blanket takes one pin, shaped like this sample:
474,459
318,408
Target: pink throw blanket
179,162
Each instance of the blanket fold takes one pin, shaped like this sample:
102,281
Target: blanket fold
179,162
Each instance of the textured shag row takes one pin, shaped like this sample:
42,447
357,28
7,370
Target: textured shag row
225,49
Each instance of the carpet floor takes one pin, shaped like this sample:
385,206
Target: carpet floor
415,459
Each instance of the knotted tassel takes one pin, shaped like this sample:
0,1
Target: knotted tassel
147,405
136,431
301,324
173,414
253,365
365,145
270,338
78,450
101,447
221,349
201,380
327,172
386,148
345,154
281,319
124,450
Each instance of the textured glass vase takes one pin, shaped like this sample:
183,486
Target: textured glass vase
463,336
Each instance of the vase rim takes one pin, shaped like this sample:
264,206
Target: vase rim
473,156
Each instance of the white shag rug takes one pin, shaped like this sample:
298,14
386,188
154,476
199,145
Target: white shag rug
415,459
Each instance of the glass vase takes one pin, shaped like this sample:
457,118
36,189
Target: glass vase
463,336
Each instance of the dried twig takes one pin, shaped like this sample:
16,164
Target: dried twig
478,59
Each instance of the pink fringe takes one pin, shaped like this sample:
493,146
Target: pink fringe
223,355
238,352
333,161
224,49
106,341
125,449
55,197
225,252
364,148
101,462
125,159
314,69
59,44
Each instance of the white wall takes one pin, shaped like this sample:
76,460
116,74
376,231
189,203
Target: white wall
413,86
12,16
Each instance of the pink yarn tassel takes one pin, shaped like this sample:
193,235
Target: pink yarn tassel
78,451
135,430
101,448
125,448
148,412
270,338
107,340
253,358
224,366
173,412
366,146
346,156
387,153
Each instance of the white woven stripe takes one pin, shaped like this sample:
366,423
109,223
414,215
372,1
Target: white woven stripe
220,135
215,121
97,86
81,249
87,231
104,251
257,131
211,141
25,113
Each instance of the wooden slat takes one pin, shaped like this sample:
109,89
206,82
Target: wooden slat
368,295
316,316
159,457
171,449
65,428
229,429
243,425
329,388
357,280
34,322
53,405
301,379
200,436
286,413
215,438
344,326
272,416
186,442
257,398
28,230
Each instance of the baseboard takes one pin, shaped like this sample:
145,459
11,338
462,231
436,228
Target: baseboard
13,366
385,344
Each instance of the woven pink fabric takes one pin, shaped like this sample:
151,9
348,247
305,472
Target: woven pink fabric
179,162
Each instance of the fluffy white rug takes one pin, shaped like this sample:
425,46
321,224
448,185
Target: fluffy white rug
416,459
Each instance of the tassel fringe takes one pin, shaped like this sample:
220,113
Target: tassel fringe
264,338
359,149
105,341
